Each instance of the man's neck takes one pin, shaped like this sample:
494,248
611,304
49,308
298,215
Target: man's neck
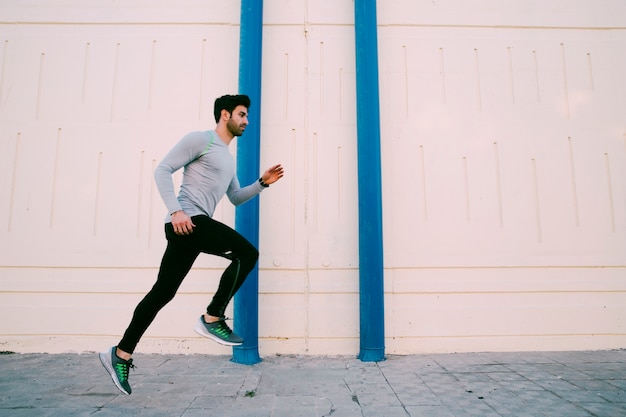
224,134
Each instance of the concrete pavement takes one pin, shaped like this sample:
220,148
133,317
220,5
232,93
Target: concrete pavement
525,384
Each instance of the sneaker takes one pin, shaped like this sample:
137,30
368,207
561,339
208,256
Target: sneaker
218,331
117,368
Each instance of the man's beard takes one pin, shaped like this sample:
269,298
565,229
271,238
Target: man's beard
234,128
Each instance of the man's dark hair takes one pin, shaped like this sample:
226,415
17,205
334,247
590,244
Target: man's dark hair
229,103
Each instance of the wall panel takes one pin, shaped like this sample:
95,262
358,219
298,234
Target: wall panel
504,177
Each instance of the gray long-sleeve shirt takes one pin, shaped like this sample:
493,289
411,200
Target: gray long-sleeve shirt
209,173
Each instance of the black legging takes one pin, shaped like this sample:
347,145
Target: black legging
209,236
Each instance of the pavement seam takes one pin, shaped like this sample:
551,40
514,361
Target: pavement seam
392,389
355,397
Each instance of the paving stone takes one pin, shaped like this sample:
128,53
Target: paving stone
613,396
556,385
429,411
605,410
417,396
386,411
581,396
519,385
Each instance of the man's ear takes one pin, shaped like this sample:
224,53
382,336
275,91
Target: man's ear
225,114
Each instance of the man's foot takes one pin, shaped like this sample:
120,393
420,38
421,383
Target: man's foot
218,331
117,368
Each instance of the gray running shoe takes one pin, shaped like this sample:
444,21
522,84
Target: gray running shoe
218,331
117,368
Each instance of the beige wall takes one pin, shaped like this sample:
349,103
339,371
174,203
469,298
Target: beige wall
504,179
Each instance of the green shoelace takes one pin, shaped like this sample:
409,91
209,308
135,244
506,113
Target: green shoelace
122,369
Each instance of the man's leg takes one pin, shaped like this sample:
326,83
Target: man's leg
243,260
243,256
223,241
175,265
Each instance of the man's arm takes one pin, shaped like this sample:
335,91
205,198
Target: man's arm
185,151
238,195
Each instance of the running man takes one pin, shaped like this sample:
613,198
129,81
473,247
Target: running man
209,174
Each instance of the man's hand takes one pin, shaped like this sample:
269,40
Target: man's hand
273,174
182,223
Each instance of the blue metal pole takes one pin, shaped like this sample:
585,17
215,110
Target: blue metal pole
248,156
371,270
